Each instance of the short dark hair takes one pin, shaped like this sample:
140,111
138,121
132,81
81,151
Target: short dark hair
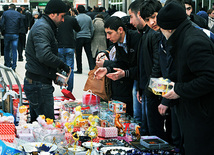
68,4
81,9
5,7
135,6
99,16
101,9
114,23
12,6
188,2
210,11
176,1
149,7
19,9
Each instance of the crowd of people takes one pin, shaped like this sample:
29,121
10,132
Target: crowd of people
169,41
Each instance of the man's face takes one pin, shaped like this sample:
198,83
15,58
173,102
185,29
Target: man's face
212,14
136,21
152,21
112,35
58,18
188,9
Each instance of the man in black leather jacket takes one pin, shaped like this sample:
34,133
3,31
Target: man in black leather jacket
42,61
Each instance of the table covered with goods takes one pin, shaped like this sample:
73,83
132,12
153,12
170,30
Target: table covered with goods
82,127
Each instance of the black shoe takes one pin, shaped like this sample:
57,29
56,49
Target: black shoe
14,69
77,72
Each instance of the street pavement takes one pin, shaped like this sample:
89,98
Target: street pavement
79,79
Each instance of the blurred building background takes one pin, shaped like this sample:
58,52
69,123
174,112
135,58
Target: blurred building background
121,5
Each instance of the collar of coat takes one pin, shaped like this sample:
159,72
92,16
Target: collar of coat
51,22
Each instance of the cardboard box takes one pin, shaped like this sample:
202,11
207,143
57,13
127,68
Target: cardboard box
117,106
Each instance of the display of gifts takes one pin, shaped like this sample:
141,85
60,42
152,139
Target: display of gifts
117,106
107,132
159,86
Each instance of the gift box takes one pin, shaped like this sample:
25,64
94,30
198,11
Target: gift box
107,132
61,98
7,128
90,99
8,138
68,94
26,136
159,86
21,130
117,106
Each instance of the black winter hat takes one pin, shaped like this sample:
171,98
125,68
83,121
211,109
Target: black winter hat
55,6
171,16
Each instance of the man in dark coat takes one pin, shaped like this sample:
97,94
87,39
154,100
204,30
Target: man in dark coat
42,60
11,23
122,55
193,56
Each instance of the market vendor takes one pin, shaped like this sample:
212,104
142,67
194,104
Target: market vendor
42,60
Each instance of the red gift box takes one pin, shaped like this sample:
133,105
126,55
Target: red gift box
8,138
7,128
91,99
61,98
68,94
107,132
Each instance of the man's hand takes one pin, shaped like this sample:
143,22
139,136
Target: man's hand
171,94
162,109
100,72
116,75
99,56
139,98
100,62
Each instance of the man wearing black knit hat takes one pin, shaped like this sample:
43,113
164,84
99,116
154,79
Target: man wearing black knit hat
192,52
42,60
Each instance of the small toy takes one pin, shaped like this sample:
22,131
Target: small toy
119,125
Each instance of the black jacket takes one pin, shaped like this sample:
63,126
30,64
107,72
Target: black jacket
65,35
193,53
126,61
41,52
147,57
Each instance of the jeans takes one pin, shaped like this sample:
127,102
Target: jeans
40,97
140,111
21,44
67,56
86,43
10,41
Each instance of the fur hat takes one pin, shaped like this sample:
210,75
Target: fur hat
55,6
171,16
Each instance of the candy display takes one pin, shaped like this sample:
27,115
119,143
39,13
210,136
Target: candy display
90,127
